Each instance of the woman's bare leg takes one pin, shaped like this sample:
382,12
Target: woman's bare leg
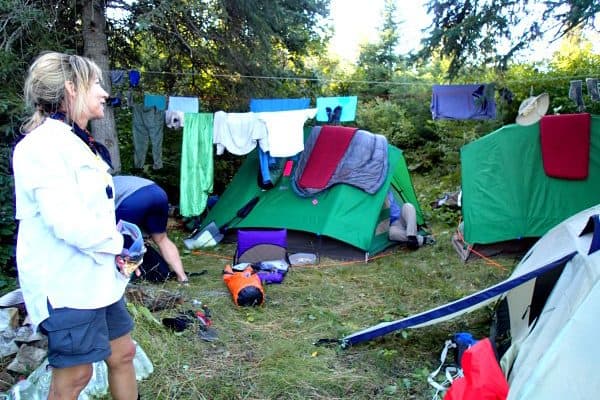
171,254
121,372
68,382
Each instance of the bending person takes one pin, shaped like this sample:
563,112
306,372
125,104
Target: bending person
68,247
403,225
144,203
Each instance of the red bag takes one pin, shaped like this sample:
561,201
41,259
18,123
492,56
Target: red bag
483,379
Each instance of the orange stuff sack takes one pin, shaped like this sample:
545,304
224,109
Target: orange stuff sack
245,286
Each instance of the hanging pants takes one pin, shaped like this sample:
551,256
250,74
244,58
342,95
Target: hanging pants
148,125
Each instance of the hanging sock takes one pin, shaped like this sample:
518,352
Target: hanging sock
592,86
134,78
576,94
336,115
507,95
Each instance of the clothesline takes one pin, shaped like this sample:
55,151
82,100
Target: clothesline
370,82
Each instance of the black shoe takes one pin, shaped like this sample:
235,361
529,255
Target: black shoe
177,324
428,240
412,243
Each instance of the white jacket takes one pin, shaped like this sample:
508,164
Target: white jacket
67,239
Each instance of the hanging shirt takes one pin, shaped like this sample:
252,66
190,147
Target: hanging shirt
266,161
285,130
239,133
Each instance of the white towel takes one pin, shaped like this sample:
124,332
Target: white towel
285,130
238,133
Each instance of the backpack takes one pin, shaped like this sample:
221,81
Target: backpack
154,268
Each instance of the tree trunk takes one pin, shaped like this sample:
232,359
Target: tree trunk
95,46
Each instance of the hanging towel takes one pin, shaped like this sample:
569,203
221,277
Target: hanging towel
264,158
347,103
285,130
155,100
463,102
264,105
330,147
239,133
184,104
565,143
196,164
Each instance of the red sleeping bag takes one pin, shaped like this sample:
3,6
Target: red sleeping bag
326,154
483,379
565,142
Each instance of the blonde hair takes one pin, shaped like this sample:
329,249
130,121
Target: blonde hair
45,90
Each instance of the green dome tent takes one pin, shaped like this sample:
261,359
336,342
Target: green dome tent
343,218
506,193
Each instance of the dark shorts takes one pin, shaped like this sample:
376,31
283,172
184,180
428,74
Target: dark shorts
147,207
78,337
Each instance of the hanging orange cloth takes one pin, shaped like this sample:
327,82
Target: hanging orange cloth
245,286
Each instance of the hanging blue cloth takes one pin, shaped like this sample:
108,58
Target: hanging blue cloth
461,102
347,104
184,104
266,105
116,77
155,100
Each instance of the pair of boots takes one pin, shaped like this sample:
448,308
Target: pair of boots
333,117
413,241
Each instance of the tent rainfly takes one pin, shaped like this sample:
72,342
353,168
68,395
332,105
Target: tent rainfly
507,193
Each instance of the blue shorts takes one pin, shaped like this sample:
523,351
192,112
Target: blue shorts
78,337
147,207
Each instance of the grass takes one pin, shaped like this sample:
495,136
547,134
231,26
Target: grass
268,352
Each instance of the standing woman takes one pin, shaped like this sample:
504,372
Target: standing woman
68,246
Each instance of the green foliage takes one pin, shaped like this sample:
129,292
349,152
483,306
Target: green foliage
472,33
7,214
377,62
389,119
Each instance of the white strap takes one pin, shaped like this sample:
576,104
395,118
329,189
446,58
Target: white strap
449,344
450,373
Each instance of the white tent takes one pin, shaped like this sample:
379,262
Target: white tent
553,355
552,299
